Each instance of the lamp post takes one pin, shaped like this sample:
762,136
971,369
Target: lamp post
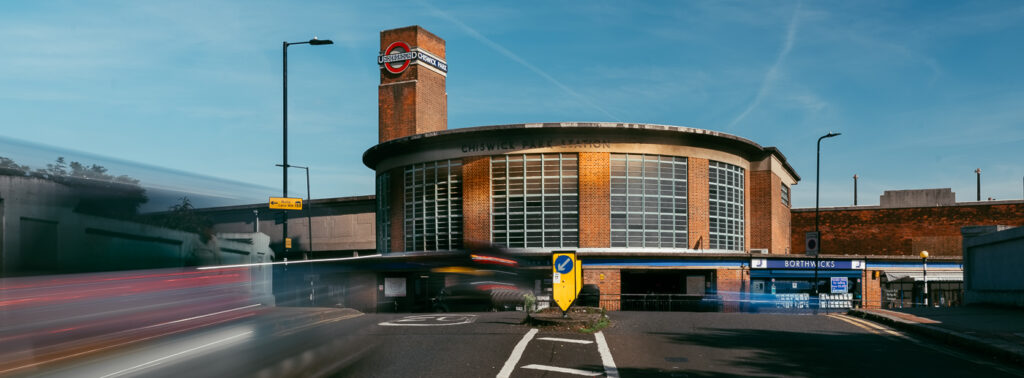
817,195
978,171
924,262
284,165
309,205
854,190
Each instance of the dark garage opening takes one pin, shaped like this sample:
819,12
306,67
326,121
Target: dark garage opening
668,290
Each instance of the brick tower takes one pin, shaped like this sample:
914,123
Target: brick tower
411,98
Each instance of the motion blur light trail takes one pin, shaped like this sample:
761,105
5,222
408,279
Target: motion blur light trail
52,318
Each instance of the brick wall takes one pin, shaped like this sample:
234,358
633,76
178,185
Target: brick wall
610,286
872,287
760,200
414,101
781,219
901,232
730,284
476,200
595,210
697,200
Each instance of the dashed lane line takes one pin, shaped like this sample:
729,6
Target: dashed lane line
561,340
585,373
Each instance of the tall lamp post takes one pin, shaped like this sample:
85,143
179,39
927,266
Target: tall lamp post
284,165
817,195
309,205
924,262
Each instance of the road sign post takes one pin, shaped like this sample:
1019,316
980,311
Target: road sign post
566,279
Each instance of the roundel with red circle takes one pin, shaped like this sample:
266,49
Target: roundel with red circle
397,66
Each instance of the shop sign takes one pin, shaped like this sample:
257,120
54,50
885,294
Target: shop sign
805,264
398,56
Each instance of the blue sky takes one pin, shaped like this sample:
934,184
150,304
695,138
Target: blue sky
924,92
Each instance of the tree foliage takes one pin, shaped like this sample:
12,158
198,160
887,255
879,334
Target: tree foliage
183,216
100,193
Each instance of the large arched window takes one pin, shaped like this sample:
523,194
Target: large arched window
383,213
648,201
433,206
726,206
535,201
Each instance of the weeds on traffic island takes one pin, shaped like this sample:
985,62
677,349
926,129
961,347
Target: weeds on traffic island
580,319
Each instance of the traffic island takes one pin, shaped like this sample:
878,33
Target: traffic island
581,319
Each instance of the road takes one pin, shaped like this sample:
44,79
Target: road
308,342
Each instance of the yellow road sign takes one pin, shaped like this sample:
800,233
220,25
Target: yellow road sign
285,203
566,278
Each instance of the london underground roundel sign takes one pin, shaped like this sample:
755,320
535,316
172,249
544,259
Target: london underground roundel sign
397,57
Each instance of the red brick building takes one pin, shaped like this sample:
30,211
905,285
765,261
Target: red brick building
648,208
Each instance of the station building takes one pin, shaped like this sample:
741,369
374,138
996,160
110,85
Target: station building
648,208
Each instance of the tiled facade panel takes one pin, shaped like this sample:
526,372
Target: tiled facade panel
476,175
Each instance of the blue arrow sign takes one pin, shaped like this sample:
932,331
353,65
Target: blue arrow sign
563,264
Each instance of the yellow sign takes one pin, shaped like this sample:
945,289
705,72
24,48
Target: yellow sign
287,242
566,278
285,203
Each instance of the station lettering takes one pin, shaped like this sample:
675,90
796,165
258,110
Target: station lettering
510,145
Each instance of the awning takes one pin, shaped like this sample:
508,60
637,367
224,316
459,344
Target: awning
918,275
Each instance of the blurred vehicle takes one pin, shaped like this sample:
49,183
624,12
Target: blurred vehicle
479,296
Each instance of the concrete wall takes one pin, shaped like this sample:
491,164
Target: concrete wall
340,225
992,265
917,198
40,233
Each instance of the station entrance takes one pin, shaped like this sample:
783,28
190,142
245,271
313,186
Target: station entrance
669,290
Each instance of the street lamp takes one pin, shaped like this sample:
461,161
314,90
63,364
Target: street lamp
817,195
924,262
284,165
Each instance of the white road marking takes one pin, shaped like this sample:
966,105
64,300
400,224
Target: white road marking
161,359
517,353
606,356
562,370
202,316
565,340
435,320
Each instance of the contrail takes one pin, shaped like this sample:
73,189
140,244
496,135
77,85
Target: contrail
773,72
480,37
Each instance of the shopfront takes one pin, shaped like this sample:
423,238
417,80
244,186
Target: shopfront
790,283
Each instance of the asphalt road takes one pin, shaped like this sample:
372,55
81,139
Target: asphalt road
304,342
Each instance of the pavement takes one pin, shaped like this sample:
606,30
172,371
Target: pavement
995,331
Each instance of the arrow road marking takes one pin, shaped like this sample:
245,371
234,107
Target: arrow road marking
565,340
